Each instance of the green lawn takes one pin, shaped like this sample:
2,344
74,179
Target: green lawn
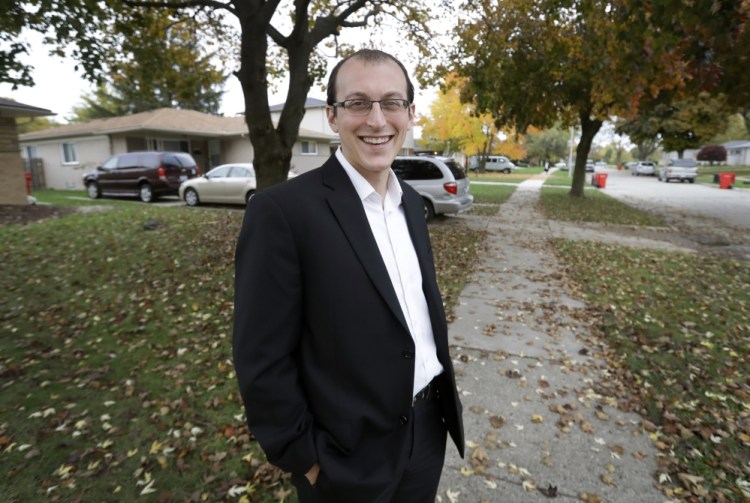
518,176
742,173
116,356
595,207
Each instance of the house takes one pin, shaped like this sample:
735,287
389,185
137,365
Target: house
69,151
12,175
738,153
315,119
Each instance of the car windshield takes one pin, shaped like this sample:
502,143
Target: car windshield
458,171
684,163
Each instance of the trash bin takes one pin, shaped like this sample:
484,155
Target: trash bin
726,180
28,178
600,180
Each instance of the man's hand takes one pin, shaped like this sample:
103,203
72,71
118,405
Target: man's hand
312,474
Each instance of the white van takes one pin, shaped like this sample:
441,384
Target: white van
494,163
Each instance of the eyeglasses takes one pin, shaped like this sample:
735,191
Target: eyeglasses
363,107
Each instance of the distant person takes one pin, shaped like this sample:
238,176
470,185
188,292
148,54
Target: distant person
546,166
340,340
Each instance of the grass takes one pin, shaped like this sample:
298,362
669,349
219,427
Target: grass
677,326
77,198
518,176
115,356
595,207
491,194
706,174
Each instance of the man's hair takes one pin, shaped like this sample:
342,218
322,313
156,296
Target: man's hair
368,56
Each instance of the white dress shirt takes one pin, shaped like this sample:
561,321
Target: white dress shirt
388,224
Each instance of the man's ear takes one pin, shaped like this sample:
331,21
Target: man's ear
412,116
331,115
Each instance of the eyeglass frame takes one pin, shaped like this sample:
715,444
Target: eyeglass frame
404,102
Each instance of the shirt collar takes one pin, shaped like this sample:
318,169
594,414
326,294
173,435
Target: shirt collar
363,187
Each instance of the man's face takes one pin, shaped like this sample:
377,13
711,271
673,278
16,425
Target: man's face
370,142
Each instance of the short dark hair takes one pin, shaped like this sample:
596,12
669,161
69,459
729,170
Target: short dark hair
368,56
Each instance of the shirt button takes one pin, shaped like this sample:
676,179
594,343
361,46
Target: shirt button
403,419
408,355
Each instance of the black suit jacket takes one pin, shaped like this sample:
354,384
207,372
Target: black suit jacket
322,352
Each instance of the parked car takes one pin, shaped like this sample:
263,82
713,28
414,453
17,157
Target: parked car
630,165
589,166
440,181
643,168
227,184
562,165
600,164
494,163
146,175
679,169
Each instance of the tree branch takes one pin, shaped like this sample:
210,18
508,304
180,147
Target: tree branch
171,4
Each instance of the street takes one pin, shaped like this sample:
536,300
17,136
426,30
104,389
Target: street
676,200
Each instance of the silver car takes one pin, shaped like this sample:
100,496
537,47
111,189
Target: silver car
227,184
643,168
679,169
440,181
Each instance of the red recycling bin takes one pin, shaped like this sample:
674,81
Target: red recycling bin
28,183
600,180
726,180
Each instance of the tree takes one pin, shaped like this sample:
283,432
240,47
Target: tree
158,62
550,144
539,62
713,153
643,131
690,122
273,38
453,126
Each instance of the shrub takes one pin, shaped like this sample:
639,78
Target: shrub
713,153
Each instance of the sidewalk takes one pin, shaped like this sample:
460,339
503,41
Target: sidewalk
540,414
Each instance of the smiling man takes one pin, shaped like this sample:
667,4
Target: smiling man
340,339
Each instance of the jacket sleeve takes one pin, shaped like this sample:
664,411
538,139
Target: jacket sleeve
266,333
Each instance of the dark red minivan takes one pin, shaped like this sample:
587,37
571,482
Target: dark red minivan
146,175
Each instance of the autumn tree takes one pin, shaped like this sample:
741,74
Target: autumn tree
539,62
451,126
274,37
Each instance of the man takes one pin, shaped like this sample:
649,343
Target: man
340,339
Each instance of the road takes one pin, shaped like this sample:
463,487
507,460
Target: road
675,200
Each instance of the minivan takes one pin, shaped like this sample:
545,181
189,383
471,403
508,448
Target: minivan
146,175
440,181
494,163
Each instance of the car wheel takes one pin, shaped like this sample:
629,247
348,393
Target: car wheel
249,195
191,197
506,171
691,180
429,209
146,193
92,188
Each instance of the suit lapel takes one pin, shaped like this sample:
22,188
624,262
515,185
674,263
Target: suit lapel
348,211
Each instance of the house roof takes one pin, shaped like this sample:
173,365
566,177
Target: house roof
10,108
162,120
737,144
309,103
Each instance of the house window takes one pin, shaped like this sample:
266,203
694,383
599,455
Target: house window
69,153
310,147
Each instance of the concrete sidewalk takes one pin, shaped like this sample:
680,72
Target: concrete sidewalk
540,413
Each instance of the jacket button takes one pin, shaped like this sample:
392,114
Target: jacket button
408,355
403,419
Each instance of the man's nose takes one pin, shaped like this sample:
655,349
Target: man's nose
376,117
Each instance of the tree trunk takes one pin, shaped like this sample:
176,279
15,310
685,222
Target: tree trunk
272,145
589,128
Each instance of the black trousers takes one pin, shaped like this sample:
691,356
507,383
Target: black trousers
418,482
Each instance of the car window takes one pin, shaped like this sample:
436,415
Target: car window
240,172
458,171
170,161
186,160
220,172
127,161
413,169
111,163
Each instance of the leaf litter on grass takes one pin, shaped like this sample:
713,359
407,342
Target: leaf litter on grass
678,329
